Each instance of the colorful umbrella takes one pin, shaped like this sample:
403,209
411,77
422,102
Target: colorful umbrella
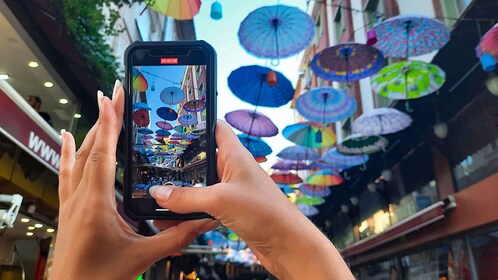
325,105
281,177
139,81
286,189
192,137
357,144
381,121
180,129
322,164
310,200
252,123
172,95
147,137
298,153
314,191
194,106
141,117
260,159
215,239
164,125
334,158
346,62
144,130
307,210
249,84
408,80
276,31
324,178
187,119
289,164
141,105
177,9
162,132
167,113
489,43
256,146
309,134
410,35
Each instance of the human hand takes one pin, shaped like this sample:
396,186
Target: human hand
248,202
93,241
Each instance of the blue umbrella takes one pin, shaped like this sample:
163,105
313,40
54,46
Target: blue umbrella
216,239
325,105
256,146
141,105
298,153
249,84
192,137
167,114
162,132
187,119
333,157
145,130
307,210
289,164
320,163
276,31
286,188
172,95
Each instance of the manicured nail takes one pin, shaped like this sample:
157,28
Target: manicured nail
63,131
160,192
100,97
117,84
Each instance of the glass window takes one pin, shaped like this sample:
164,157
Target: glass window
339,25
374,12
380,270
485,250
318,29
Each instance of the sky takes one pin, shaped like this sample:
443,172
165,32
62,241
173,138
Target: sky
222,35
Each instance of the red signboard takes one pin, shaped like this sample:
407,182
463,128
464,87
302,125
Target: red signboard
27,129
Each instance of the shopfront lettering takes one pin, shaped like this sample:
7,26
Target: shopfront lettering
37,145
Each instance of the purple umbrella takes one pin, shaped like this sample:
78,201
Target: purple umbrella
298,153
252,123
194,105
381,121
325,105
289,164
333,157
307,210
172,95
147,137
187,119
164,125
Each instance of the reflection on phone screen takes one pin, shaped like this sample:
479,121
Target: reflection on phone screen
169,127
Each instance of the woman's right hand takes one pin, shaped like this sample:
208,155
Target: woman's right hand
248,202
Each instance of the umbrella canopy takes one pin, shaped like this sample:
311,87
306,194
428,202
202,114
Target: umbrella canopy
347,62
381,121
489,43
260,159
322,164
298,153
314,191
147,137
252,123
144,130
276,31
408,80
180,129
256,146
325,105
309,134
177,9
164,125
141,105
162,132
307,210
410,35
289,164
281,177
286,189
172,95
139,81
187,119
167,113
195,105
324,178
192,137
357,144
249,84
333,157
310,200
215,238
141,117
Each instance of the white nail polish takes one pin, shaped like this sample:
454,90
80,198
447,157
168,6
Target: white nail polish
62,132
100,97
117,84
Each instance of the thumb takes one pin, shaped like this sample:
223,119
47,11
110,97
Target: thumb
184,200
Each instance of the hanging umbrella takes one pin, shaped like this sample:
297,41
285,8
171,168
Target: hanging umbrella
298,153
346,62
286,188
144,130
162,132
215,239
256,146
139,81
167,113
194,106
192,137
147,137
177,9
307,210
325,105
276,31
410,35
281,177
180,129
164,125
260,159
252,123
249,84
322,164
289,164
489,43
172,95
141,118
187,119
314,191
309,134
333,157
381,121
357,144
141,105
310,200
324,178
408,80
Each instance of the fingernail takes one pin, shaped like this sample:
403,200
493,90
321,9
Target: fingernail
117,84
100,97
160,192
63,131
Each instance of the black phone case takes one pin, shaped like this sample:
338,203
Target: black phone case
171,48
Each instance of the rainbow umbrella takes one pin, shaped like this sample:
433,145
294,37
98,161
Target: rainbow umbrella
187,119
281,177
307,210
298,153
314,191
256,146
167,113
310,200
309,134
180,129
325,105
325,178
172,95
194,106
164,125
139,81
252,123
177,9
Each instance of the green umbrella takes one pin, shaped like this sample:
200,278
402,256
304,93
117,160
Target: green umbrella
310,200
408,80
357,144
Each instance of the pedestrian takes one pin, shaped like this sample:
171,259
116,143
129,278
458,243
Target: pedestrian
94,242
36,102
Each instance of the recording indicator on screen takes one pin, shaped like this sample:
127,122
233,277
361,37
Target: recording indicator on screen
169,60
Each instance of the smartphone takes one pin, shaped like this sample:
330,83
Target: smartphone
170,115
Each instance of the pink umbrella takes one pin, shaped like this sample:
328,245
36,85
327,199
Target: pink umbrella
252,123
164,125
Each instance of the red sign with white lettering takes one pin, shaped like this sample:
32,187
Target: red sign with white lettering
169,60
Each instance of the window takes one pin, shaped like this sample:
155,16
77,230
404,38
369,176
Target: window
339,25
318,29
374,13
200,90
198,72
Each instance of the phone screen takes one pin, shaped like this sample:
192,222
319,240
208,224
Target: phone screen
169,125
